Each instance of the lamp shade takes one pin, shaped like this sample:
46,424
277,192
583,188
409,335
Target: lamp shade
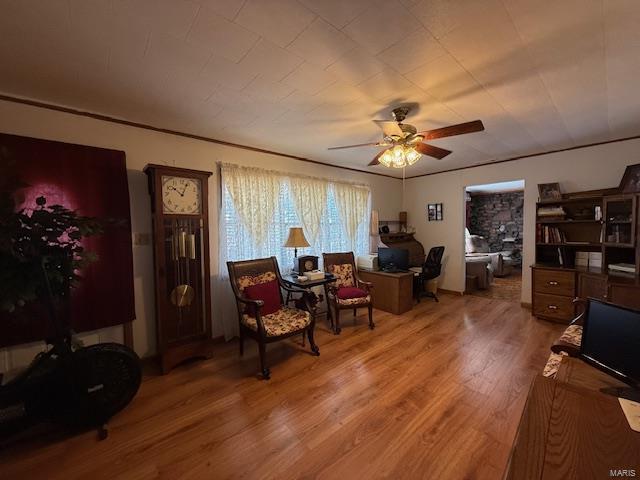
296,238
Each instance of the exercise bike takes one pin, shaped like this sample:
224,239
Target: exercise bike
70,384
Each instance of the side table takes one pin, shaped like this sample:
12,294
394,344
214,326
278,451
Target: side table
308,285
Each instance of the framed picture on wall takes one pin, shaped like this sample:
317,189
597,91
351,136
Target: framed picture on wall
630,182
549,191
431,212
434,212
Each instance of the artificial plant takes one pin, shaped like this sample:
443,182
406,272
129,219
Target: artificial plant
39,244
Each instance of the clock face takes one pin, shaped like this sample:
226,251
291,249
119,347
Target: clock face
308,265
181,195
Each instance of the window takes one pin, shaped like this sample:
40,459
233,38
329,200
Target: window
238,244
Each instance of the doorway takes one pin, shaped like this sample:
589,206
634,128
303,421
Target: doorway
493,240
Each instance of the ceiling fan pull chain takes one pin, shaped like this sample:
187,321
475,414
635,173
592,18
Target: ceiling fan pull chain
403,195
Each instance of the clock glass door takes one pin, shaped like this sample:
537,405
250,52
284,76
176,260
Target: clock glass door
184,284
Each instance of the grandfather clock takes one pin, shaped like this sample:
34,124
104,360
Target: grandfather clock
181,262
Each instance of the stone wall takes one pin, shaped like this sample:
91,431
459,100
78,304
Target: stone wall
488,211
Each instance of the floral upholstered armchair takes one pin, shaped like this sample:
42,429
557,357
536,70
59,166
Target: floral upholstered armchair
262,314
348,291
568,344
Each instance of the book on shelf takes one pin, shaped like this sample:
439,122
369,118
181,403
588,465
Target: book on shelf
582,259
547,234
588,259
622,274
551,219
595,259
551,212
622,267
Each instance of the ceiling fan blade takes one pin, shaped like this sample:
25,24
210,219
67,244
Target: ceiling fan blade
355,146
376,160
430,150
450,131
389,127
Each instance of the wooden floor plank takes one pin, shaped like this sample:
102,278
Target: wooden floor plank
434,393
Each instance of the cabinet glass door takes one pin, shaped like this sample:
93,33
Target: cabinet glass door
619,226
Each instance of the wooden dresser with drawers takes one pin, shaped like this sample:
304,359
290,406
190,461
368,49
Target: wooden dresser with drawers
553,292
554,289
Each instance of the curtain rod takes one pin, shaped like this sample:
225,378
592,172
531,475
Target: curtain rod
289,174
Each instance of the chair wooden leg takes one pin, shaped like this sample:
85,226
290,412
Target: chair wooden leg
303,342
371,324
329,305
266,374
330,315
241,342
312,343
336,321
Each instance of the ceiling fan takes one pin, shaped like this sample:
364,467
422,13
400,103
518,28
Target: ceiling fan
404,144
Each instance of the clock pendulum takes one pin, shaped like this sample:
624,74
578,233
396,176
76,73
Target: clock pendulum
183,245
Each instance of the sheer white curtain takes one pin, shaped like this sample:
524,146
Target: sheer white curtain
237,242
352,202
310,199
255,193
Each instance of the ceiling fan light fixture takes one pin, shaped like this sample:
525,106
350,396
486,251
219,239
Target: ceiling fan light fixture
399,156
412,155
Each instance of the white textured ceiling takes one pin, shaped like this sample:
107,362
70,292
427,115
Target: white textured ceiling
300,76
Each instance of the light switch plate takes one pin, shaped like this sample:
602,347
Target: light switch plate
141,238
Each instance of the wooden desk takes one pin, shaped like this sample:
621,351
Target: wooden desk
392,292
569,432
581,374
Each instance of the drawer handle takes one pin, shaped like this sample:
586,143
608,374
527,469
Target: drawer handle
553,282
552,307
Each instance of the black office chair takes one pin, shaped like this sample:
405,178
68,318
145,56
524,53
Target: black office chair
431,269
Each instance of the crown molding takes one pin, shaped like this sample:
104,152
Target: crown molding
128,123
520,157
119,121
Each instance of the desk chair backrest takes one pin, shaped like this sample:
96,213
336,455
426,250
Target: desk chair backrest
433,264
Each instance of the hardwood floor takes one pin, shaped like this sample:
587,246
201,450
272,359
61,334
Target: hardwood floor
434,393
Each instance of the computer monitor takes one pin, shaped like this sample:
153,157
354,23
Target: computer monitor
611,340
393,259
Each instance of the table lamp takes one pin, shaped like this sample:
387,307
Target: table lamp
296,240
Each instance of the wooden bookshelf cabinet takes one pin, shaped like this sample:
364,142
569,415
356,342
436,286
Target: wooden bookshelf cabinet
602,222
